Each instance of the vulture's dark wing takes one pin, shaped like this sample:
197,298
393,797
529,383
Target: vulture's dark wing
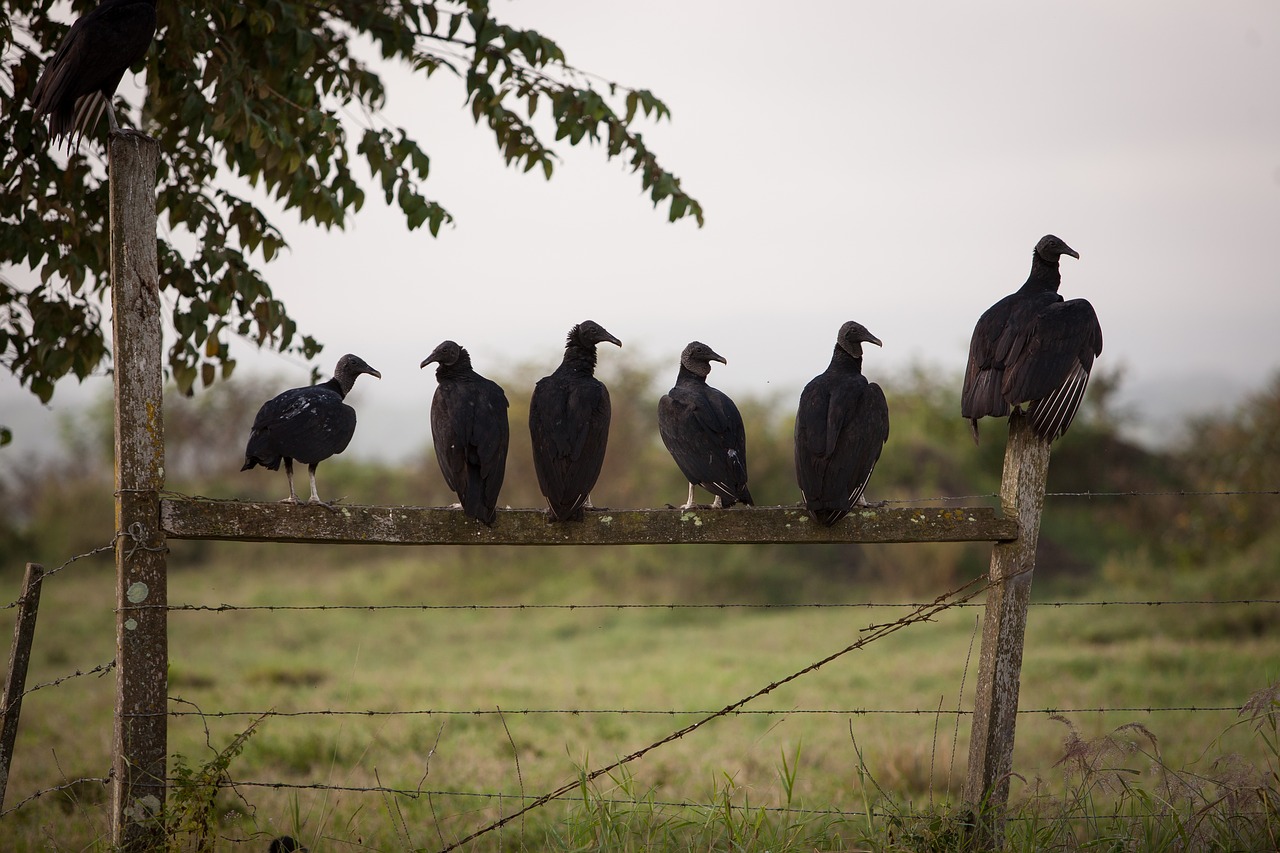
90,62
1052,369
448,434
841,428
864,436
487,445
569,427
306,424
702,429
491,432
589,403
471,434
999,338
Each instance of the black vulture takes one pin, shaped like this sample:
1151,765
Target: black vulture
702,429
79,79
470,431
307,424
286,844
841,427
1033,348
569,424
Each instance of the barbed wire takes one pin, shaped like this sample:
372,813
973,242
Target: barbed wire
101,669
110,546
414,793
136,533
53,790
230,608
672,712
872,633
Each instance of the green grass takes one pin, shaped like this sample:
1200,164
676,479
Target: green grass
765,781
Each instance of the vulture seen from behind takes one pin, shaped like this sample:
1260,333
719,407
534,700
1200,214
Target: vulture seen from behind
1033,349
307,424
703,431
842,424
78,81
569,424
470,431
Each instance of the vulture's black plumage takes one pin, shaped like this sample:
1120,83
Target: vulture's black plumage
841,427
569,424
78,81
1033,349
702,429
286,844
470,431
307,424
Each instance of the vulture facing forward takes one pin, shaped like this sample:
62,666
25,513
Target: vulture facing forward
470,431
1033,349
841,427
78,81
307,424
703,431
569,424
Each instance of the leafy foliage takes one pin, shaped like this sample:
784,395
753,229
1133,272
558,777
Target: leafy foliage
192,817
282,95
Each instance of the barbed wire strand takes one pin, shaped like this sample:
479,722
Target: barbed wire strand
110,546
870,635
900,605
136,533
676,712
53,790
101,669
414,793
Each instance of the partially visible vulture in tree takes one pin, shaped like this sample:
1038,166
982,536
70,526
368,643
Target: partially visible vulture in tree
569,424
307,424
841,427
702,429
77,83
470,431
1033,349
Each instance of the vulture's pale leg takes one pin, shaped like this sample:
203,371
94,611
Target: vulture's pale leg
689,504
288,470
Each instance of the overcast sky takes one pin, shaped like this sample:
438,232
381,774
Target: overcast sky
892,163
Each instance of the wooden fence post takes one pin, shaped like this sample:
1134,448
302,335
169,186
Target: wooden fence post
1004,625
142,652
15,684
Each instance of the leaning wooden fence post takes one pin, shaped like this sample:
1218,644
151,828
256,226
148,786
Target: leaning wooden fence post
1004,626
142,652
15,684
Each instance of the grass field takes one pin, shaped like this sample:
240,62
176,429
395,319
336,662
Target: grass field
668,661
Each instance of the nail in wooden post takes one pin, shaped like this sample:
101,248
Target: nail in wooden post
1004,625
142,652
24,632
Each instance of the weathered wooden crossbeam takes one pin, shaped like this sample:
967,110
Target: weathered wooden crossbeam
411,525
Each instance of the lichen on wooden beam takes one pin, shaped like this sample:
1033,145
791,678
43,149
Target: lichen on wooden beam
410,525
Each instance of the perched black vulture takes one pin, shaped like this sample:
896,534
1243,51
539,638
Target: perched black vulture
307,424
841,427
569,424
702,429
1034,349
78,81
470,431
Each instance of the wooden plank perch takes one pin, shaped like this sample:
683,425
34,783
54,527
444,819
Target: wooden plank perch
411,525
